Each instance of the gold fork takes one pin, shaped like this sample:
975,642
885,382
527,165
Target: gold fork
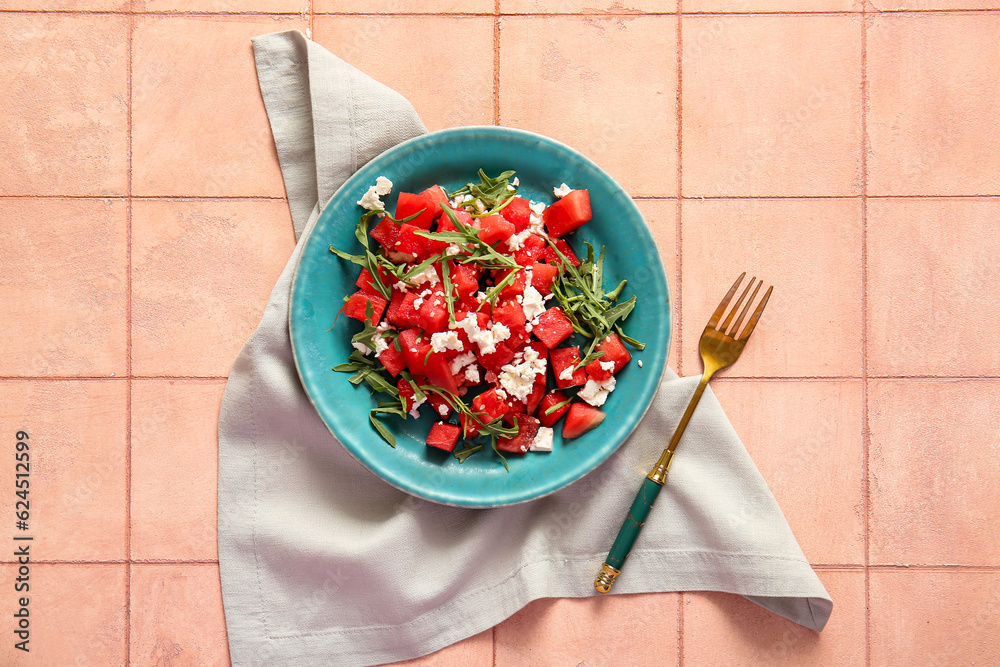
719,349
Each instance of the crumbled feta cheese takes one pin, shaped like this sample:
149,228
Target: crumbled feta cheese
443,409
400,286
445,340
537,207
532,302
518,378
414,412
596,393
562,191
453,249
480,206
419,301
428,275
542,441
516,181
640,363
461,361
362,348
567,373
500,333
486,340
371,199
381,345
472,374
517,240
501,394
608,365
511,188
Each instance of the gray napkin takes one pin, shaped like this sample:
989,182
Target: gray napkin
323,563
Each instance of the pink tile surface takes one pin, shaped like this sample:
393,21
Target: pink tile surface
397,51
64,106
568,631
932,120
946,618
809,249
931,275
143,223
605,85
805,437
177,616
75,465
934,472
76,615
175,452
772,106
199,124
721,629
64,290
201,275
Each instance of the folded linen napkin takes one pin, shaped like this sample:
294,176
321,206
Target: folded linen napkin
324,563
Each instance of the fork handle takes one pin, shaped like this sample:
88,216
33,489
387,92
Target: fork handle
627,534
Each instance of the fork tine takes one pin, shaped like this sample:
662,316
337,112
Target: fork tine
756,315
739,320
729,318
717,315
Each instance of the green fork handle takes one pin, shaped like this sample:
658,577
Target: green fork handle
627,534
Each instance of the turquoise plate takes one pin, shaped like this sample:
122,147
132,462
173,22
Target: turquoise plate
452,158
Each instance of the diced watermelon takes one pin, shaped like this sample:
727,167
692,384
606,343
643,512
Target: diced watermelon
553,327
496,360
511,315
409,203
542,277
415,348
393,360
464,278
365,283
567,214
413,244
515,288
443,436
436,195
402,312
406,394
551,257
530,250
357,305
487,402
536,395
439,372
386,233
615,352
527,428
494,228
433,315
580,419
444,222
550,400
563,358
518,213
439,404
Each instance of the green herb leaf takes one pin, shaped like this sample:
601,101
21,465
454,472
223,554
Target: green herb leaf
556,407
466,452
381,428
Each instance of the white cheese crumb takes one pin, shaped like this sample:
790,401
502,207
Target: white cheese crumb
400,286
567,373
486,340
419,301
461,361
480,206
428,275
562,190
371,199
537,207
532,303
518,378
381,345
516,181
362,348
501,394
608,365
596,393
445,340
517,240
443,409
640,363
511,188
453,249
542,441
472,374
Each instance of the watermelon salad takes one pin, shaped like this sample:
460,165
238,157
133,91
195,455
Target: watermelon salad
474,306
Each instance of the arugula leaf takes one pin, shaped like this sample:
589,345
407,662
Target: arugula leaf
466,452
559,405
381,428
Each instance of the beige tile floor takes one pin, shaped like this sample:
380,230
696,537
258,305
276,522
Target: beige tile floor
848,150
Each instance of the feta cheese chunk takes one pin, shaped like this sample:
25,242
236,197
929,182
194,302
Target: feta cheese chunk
486,339
518,378
542,441
461,361
608,365
537,207
532,303
567,373
446,340
413,411
562,191
362,348
640,363
472,374
596,393
428,275
371,199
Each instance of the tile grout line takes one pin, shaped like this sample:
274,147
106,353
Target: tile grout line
865,432
129,205
630,15
496,62
679,41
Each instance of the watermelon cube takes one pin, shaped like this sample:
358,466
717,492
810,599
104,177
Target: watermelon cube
563,360
530,250
494,228
408,203
443,436
580,419
567,214
542,277
549,401
386,233
518,213
527,428
402,313
614,352
553,327
358,302
393,360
